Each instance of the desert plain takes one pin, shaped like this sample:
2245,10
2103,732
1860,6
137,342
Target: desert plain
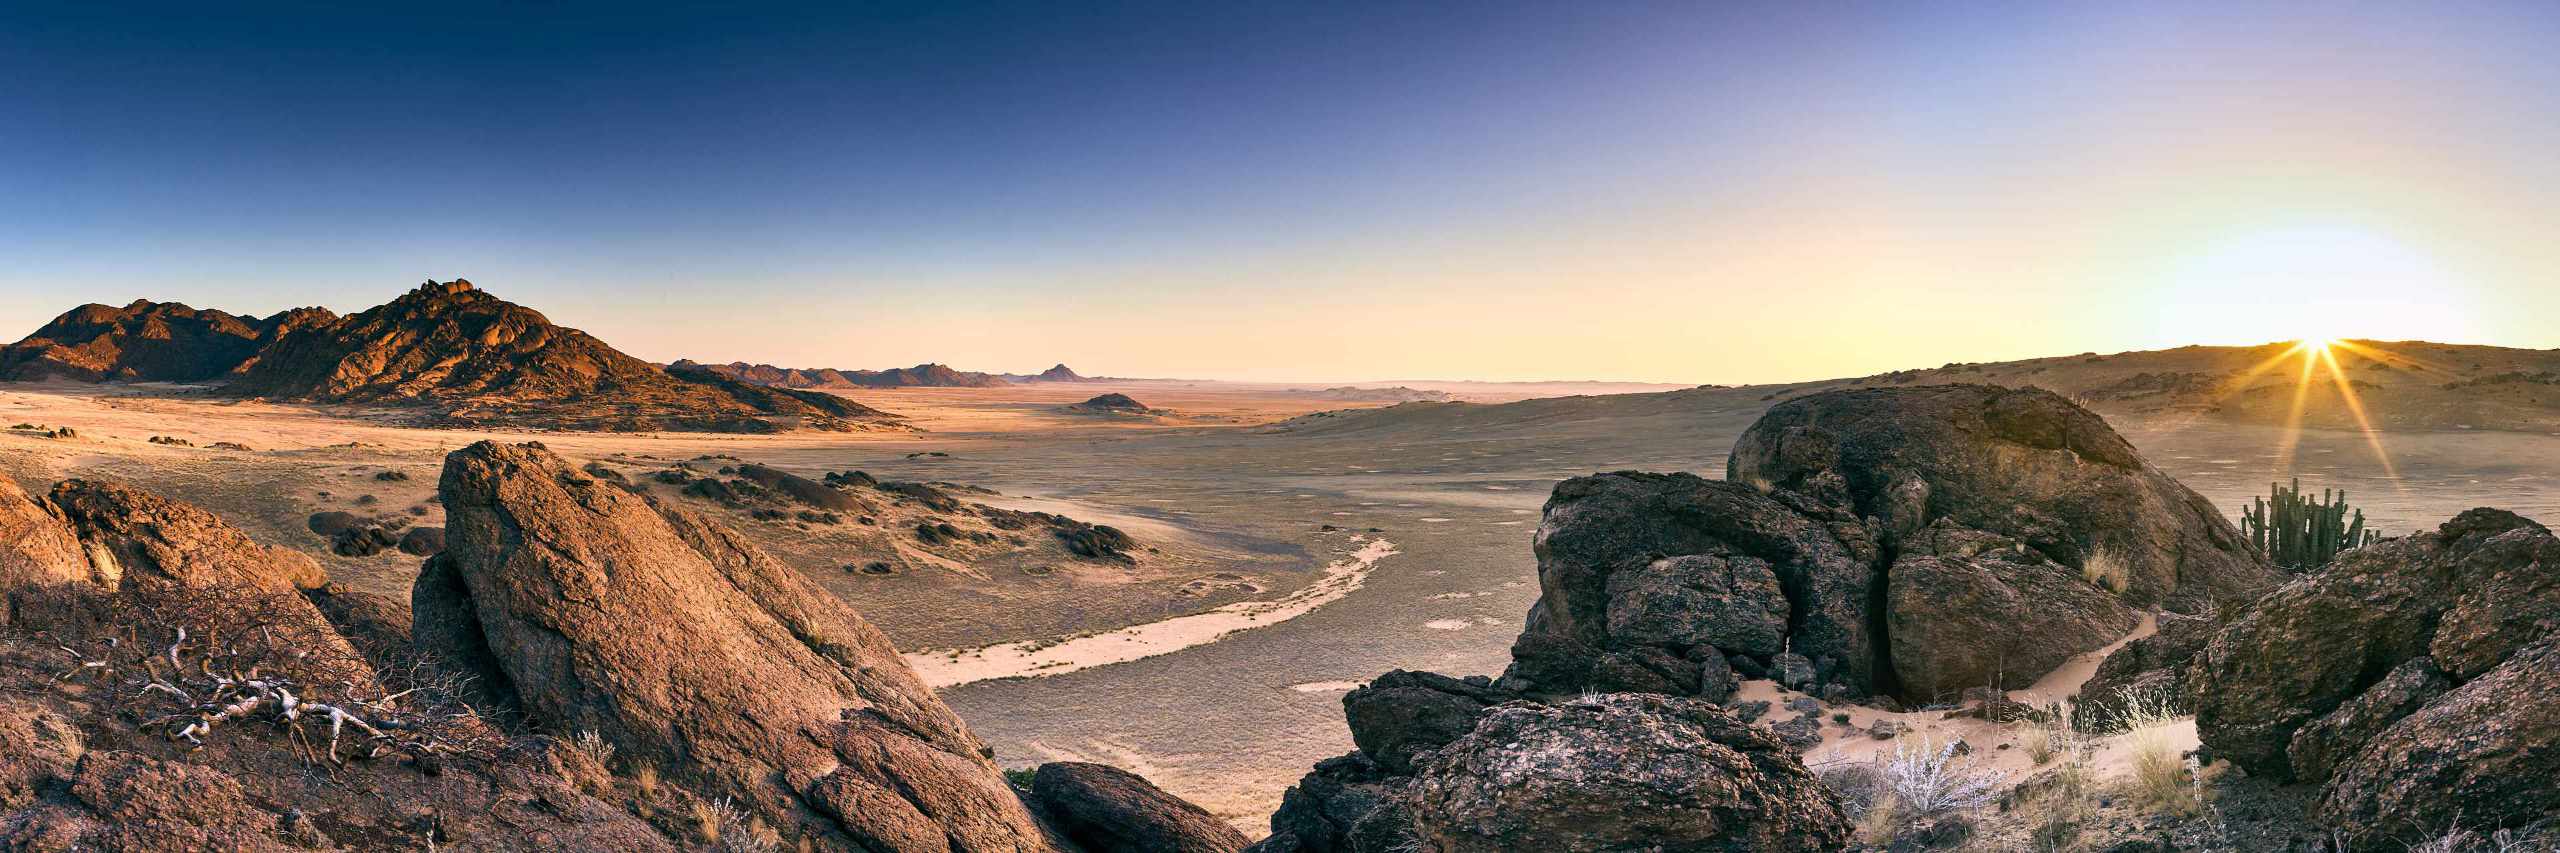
1291,545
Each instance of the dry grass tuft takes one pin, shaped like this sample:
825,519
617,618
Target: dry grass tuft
2539,838
644,779
2051,732
2164,781
2107,568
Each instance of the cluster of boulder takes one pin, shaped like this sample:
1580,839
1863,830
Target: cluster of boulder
1909,543
2411,680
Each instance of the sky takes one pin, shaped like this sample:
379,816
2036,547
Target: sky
1677,192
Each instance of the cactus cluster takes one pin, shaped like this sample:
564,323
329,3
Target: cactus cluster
2300,533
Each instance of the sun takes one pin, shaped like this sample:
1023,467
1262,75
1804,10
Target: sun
2317,345
2318,284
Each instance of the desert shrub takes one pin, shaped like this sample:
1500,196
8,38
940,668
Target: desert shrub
644,779
2050,733
1928,779
2106,567
594,747
2057,804
2540,838
2163,780
1922,781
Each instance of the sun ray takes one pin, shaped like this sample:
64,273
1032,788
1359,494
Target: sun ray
2355,407
2291,438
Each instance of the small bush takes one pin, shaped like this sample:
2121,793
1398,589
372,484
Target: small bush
2106,567
2539,838
2163,780
1929,779
2051,732
1922,782
594,747
644,779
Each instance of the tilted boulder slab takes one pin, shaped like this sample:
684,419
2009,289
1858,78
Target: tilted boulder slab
2024,463
2411,679
1621,772
595,609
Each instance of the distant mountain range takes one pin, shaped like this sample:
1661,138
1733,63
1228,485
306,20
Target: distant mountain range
456,353
920,376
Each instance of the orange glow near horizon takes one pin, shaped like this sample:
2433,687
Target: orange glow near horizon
2320,355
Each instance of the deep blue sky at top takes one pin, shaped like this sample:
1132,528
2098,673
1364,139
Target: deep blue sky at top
673,176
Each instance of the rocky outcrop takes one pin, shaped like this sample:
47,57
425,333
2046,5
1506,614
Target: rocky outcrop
1620,772
2409,679
2023,463
594,609
1914,542
145,342
1108,810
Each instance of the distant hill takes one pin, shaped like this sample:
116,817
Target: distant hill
1397,394
919,376
146,341
1112,404
1059,373
448,349
2396,385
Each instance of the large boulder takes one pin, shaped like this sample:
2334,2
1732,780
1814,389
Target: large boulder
1644,578
2484,754
1347,804
1402,714
2024,463
594,609
1354,803
1109,810
1958,600
2411,679
1620,772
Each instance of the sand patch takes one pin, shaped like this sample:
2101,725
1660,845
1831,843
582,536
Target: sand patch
1033,658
